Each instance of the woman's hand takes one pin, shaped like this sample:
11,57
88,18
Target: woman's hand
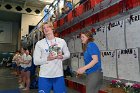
81,70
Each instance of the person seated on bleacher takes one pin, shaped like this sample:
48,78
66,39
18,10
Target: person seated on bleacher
68,6
63,13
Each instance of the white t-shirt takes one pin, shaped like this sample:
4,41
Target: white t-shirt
23,57
53,68
28,58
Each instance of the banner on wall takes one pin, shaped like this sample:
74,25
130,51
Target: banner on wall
128,64
133,30
109,64
5,32
115,35
100,36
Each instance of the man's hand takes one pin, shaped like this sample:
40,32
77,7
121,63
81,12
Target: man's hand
59,55
51,57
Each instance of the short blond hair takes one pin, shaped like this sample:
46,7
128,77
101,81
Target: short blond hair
48,23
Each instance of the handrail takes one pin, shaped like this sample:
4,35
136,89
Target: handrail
49,12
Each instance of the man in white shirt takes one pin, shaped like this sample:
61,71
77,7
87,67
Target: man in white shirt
49,54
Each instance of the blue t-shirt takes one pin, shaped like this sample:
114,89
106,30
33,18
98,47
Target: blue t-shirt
92,49
69,4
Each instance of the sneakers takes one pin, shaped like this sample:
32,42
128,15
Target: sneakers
21,86
25,89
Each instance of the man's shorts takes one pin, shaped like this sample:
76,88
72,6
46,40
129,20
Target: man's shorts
56,84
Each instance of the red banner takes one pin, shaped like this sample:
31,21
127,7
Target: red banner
102,15
93,3
55,24
95,18
61,21
88,21
65,19
131,3
87,6
97,1
74,12
69,16
114,10
82,24
64,33
58,23
79,10
76,27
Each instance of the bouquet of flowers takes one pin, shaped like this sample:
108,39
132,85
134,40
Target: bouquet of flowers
116,83
136,88
54,49
128,87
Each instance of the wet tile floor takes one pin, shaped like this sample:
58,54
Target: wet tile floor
9,82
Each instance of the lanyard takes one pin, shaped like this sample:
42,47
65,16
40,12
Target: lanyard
48,43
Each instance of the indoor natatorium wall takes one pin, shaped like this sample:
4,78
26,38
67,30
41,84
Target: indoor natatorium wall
116,32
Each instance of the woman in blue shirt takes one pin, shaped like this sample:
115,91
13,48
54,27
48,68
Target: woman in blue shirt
92,63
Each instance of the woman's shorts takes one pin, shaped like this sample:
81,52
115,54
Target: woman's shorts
27,69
